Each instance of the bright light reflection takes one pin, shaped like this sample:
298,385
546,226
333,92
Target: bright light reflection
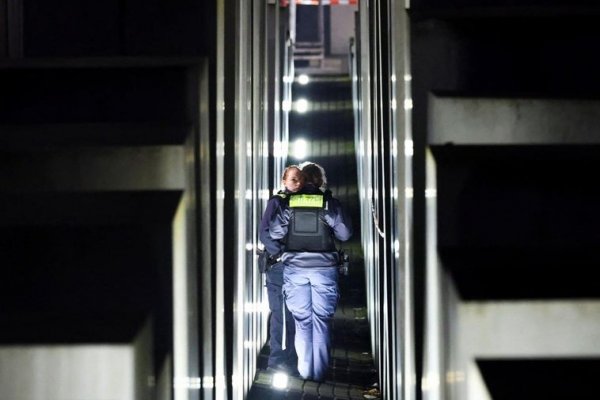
409,148
431,382
280,380
264,194
195,383
248,194
301,105
408,104
303,79
220,149
187,382
300,149
455,376
208,382
220,382
286,105
277,145
430,193
249,246
255,308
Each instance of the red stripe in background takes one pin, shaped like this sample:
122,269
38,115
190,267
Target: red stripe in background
285,3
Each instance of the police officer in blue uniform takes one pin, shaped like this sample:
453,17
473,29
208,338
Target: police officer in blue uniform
307,222
282,355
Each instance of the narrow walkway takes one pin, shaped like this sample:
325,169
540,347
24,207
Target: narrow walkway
352,374
329,129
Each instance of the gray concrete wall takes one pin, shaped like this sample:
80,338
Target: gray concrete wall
477,120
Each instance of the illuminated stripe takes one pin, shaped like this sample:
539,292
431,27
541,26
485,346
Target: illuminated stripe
306,200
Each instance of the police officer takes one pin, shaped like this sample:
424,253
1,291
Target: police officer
308,222
282,355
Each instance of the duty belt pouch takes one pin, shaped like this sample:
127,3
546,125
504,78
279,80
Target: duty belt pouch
263,260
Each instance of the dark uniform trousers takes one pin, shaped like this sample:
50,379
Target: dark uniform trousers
279,358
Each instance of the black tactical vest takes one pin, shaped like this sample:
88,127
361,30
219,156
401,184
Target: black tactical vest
307,229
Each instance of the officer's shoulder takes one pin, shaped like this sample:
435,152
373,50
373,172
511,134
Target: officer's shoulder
281,195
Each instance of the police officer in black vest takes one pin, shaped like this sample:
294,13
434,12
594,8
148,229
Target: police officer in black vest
307,222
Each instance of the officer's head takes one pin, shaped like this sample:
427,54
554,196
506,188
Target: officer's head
293,178
314,174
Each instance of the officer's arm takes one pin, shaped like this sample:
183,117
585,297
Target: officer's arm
278,226
339,222
273,246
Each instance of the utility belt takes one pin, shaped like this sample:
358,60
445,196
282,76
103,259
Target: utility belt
266,260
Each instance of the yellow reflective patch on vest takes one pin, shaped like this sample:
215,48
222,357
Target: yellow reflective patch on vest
306,200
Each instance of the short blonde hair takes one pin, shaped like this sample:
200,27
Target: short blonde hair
290,167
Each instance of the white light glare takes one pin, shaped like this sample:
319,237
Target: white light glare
455,376
430,193
277,149
280,380
430,382
300,149
187,382
257,308
303,79
301,106
409,148
264,194
208,382
286,105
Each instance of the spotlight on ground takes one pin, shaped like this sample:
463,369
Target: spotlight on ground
280,380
